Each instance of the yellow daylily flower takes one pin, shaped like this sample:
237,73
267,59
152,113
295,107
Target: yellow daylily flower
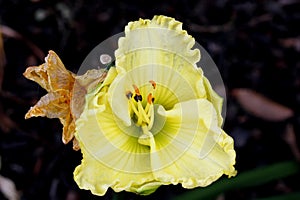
155,120
61,85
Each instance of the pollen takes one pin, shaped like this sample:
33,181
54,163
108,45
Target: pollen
138,97
136,89
153,83
129,94
150,98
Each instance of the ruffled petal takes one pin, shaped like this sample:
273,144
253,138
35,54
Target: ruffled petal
171,87
97,177
112,156
215,99
159,43
162,34
191,149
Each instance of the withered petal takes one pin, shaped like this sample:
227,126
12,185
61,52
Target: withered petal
84,84
52,75
68,128
39,75
59,77
52,105
76,146
58,81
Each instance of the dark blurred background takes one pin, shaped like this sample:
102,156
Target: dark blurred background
255,44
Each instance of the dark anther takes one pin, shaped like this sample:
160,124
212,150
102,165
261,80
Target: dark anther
128,95
138,97
152,99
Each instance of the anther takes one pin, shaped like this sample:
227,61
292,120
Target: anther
153,84
136,89
129,95
138,97
150,98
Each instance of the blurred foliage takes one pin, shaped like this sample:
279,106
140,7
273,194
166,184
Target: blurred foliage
249,178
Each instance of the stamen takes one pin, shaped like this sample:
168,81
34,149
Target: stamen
132,106
138,98
150,98
136,89
153,83
144,115
139,116
129,95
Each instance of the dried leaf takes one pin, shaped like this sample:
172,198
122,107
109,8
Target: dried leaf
260,106
9,32
6,123
8,189
2,60
291,140
291,42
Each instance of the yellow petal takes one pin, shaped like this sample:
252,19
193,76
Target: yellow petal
191,149
97,177
95,98
161,34
112,156
215,99
158,43
93,81
171,87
